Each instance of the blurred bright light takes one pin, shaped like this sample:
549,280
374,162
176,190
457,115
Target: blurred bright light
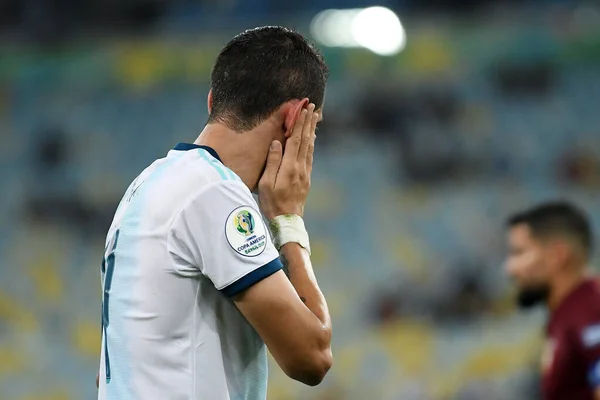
375,28
317,27
379,30
330,28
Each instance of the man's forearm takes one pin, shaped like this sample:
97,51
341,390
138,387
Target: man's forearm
300,272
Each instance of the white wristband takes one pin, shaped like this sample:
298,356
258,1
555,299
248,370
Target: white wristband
289,228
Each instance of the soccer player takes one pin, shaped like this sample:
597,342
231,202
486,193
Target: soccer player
549,249
193,284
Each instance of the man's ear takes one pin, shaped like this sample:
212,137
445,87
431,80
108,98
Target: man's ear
292,111
209,101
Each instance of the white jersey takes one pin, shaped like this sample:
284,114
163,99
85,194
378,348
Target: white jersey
186,237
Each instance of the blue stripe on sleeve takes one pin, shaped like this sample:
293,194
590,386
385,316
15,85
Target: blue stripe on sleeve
252,278
594,375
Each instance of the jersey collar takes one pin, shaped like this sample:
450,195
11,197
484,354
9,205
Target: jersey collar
191,146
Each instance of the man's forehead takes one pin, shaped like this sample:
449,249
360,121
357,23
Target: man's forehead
523,235
521,232
520,229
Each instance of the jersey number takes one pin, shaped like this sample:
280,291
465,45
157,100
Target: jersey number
108,266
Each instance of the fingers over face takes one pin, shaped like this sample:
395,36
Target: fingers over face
294,115
292,145
311,144
269,175
306,133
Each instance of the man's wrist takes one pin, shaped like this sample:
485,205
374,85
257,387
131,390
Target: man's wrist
289,228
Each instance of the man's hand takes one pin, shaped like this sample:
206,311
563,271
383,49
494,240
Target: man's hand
290,313
285,184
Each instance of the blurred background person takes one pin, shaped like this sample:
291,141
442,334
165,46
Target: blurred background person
442,118
549,248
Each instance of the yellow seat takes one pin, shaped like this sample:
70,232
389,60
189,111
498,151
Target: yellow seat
57,394
322,251
409,345
86,338
496,360
16,314
11,360
326,200
46,278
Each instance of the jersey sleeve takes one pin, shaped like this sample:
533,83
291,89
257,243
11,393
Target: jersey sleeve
221,233
589,338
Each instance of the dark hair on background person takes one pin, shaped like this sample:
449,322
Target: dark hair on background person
259,70
557,218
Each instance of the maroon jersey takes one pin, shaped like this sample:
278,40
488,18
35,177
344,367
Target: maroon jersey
571,359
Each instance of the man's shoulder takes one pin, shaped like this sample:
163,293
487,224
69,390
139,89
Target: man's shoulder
594,286
587,309
216,197
220,190
189,174
201,161
569,312
586,305
581,315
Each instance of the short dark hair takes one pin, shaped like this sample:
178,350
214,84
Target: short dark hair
557,218
259,70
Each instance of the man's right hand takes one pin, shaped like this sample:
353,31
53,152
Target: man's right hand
290,312
285,183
